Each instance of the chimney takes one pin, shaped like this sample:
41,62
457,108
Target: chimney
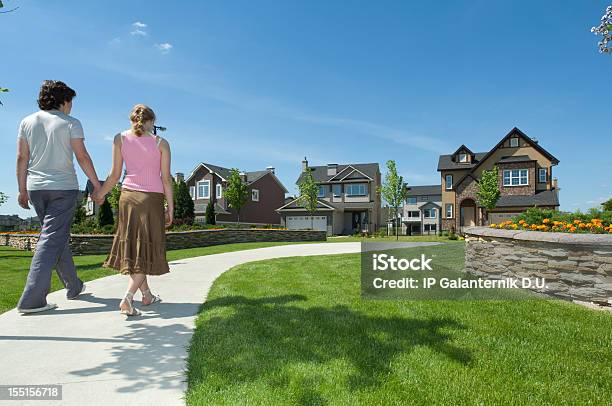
270,169
243,177
332,169
304,165
179,177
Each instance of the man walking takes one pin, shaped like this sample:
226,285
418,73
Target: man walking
45,173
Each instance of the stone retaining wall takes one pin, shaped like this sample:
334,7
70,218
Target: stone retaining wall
575,266
101,244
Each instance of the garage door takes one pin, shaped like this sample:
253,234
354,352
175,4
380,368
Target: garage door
305,223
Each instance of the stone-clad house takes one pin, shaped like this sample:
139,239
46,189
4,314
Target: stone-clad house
207,183
349,201
525,180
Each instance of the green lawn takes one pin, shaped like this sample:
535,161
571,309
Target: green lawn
295,331
14,266
408,238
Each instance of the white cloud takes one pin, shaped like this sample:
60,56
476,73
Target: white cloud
164,48
115,41
139,32
138,24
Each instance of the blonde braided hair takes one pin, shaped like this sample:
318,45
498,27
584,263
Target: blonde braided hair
139,115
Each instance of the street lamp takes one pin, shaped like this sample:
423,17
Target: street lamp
158,128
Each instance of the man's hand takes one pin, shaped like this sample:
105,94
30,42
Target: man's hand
23,200
97,196
169,217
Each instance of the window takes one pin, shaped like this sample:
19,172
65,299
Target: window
449,181
321,191
429,213
411,200
542,175
337,189
204,189
430,227
424,198
516,177
356,189
255,195
463,157
219,190
449,210
514,142
192,192
414,214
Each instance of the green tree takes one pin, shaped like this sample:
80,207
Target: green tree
3,198
113,197
395,192
210,214
236,192
184,209
488,191
79,214
607,206
105,214
309,195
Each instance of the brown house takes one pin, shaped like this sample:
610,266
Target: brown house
348,200
525,180
208,182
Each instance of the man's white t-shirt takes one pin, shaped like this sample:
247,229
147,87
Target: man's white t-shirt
48,134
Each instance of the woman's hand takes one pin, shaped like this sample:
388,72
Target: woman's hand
169,217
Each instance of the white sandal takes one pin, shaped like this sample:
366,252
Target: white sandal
131,311
156,298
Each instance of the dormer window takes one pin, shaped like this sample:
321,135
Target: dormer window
463,157
514,142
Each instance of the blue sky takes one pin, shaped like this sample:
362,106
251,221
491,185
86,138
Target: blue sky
250,84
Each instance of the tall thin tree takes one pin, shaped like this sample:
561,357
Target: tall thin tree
309,195
236,192
394,191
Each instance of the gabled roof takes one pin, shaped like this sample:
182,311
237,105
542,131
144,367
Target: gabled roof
532,143
463,147
445,162
224,174
425,190
319,173
253,177
295,204
514,131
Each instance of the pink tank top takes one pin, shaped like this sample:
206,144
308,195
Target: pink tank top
142,159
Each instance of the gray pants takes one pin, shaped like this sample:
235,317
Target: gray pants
55,209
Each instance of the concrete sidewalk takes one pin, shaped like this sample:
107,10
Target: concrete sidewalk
99,357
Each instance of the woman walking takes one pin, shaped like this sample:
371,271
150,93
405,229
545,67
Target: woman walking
139,247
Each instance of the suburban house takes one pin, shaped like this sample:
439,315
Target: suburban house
12,222
349,201
525,180
207,183
422,210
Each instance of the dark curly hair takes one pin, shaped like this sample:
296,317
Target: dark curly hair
53,94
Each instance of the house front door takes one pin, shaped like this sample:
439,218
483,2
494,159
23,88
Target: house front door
467,213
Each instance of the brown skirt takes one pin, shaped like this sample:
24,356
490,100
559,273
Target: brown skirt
140,243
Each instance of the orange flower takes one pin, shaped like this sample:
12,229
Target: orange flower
546,221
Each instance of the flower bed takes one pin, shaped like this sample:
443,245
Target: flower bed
595,222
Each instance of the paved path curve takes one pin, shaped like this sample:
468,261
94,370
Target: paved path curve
102,359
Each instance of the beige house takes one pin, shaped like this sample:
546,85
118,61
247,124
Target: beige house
525,180
348,200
